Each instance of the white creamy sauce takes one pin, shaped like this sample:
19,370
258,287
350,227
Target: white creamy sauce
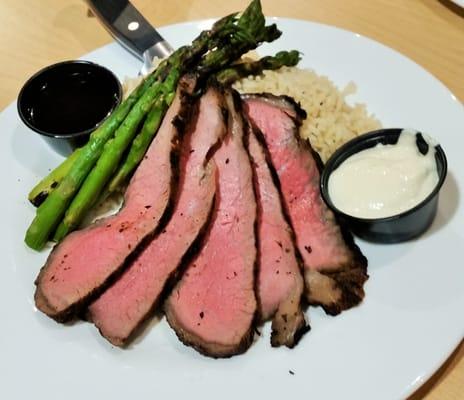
384,180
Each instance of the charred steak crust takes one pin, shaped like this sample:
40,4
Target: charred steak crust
210,349
77,307
344,283
288,321
188,110
189,335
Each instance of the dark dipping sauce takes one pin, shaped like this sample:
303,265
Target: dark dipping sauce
69,99
72,102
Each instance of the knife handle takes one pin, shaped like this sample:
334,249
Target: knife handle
126,25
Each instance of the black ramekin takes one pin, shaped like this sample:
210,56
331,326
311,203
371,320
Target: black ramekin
397,228
65,143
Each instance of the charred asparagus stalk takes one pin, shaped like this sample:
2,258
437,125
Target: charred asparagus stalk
238,71
236,38
51,211
40,191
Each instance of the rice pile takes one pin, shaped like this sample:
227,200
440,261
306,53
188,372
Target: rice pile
331,121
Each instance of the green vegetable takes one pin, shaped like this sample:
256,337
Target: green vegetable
229,38
239,71
40,191
51,211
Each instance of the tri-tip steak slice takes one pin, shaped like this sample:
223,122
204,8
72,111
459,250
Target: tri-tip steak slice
213,306
335,269
280,282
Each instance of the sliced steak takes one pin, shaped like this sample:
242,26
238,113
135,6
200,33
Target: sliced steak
280,283
335,269
121,309
80,267
212,307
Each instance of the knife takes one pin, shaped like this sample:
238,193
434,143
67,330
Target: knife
128,26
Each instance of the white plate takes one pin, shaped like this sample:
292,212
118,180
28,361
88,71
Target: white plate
411,320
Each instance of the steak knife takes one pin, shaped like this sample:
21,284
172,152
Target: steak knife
128,26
